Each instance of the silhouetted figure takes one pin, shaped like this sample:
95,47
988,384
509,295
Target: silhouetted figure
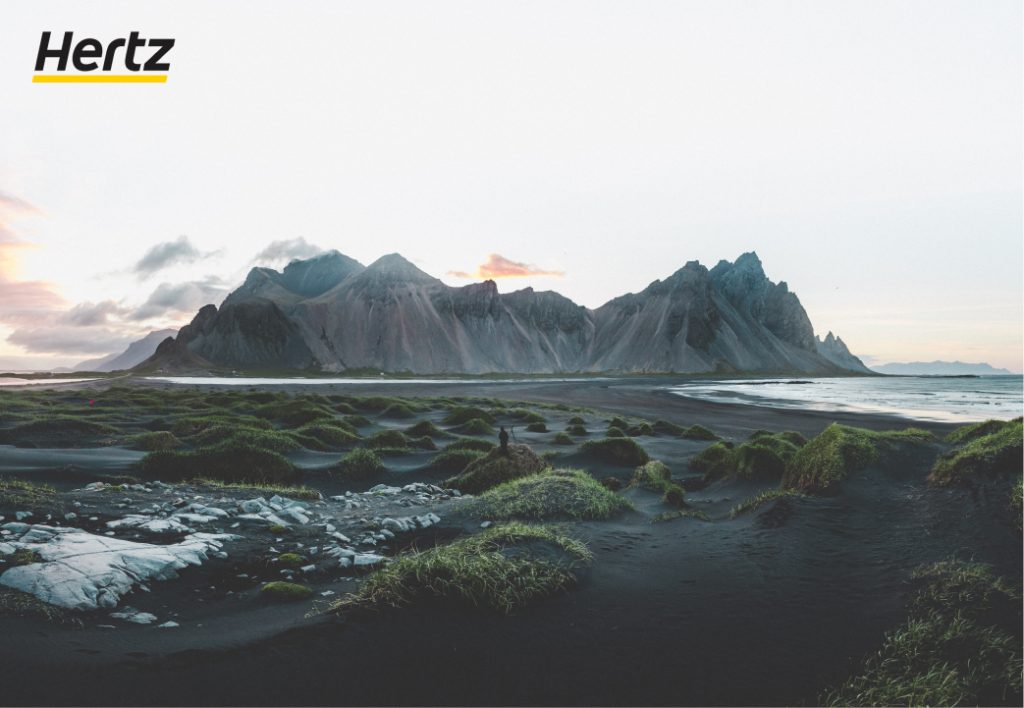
503,441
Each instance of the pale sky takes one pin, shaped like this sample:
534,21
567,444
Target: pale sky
870,152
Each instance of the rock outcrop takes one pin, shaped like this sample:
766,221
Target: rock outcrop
330,313
834,349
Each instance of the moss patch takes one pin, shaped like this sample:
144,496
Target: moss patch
231,461
698,432
502,568
654,476
151,441
562,439
454,461
284,490
21,493
551,494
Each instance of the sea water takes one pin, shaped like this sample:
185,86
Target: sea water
937,398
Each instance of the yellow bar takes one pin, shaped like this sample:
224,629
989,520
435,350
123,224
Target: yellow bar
99,78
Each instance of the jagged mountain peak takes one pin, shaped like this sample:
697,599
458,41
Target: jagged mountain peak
395,267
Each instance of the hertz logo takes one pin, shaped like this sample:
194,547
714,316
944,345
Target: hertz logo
144,58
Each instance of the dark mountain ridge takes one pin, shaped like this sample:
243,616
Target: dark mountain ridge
330,313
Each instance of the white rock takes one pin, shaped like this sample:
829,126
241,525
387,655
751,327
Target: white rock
486,524
170,624
308,568
84,571
365,559
171,524
22,515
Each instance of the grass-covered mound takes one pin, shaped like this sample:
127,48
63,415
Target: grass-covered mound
502,568
281,591
957,648
58,431
463,414
991,447
154,440
475,426
839,451
325,436
360,463
231,461
624,452
551,494
495,468
294,412
398,411
425,427
655,476
698,432
471,444
763,456
537,428
562,439
454,461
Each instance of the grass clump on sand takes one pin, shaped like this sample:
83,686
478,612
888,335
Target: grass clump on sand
425,427
536,428
617,451
194,425
562,439
987,448
14,603
56,431
294,412
763,498
325,436
639,429
22,493
290,560
654,476
840,450
502,568
281,591
460,415
274,440
698,432
494,468
475,426
577,430
454,461
526,416
398,411
551,494
614,432
230,461
388,438
954,650
284,490
664,427
151,441
360,463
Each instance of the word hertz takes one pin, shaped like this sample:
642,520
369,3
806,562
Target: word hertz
84,53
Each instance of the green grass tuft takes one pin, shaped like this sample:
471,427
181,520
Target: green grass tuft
454,461
763,498
502,568
551,494
151,441
956,648
22,493
284,490
475,426
680,514
360,463
989,448
231,461
494,468
562,439
291,560
839,451
536,428
654,476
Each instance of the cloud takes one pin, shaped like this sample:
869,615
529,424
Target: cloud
168,253
171,300
287,250
497,266
89,314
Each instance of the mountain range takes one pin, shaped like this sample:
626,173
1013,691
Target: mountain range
136,353
940,368
332,314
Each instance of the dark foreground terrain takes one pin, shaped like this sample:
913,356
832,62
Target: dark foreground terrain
765,562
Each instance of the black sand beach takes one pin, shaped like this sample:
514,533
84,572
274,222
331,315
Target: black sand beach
768,608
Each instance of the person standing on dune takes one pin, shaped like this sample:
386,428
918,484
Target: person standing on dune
503,441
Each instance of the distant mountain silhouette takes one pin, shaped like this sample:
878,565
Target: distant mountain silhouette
939,368
330,313
136,353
